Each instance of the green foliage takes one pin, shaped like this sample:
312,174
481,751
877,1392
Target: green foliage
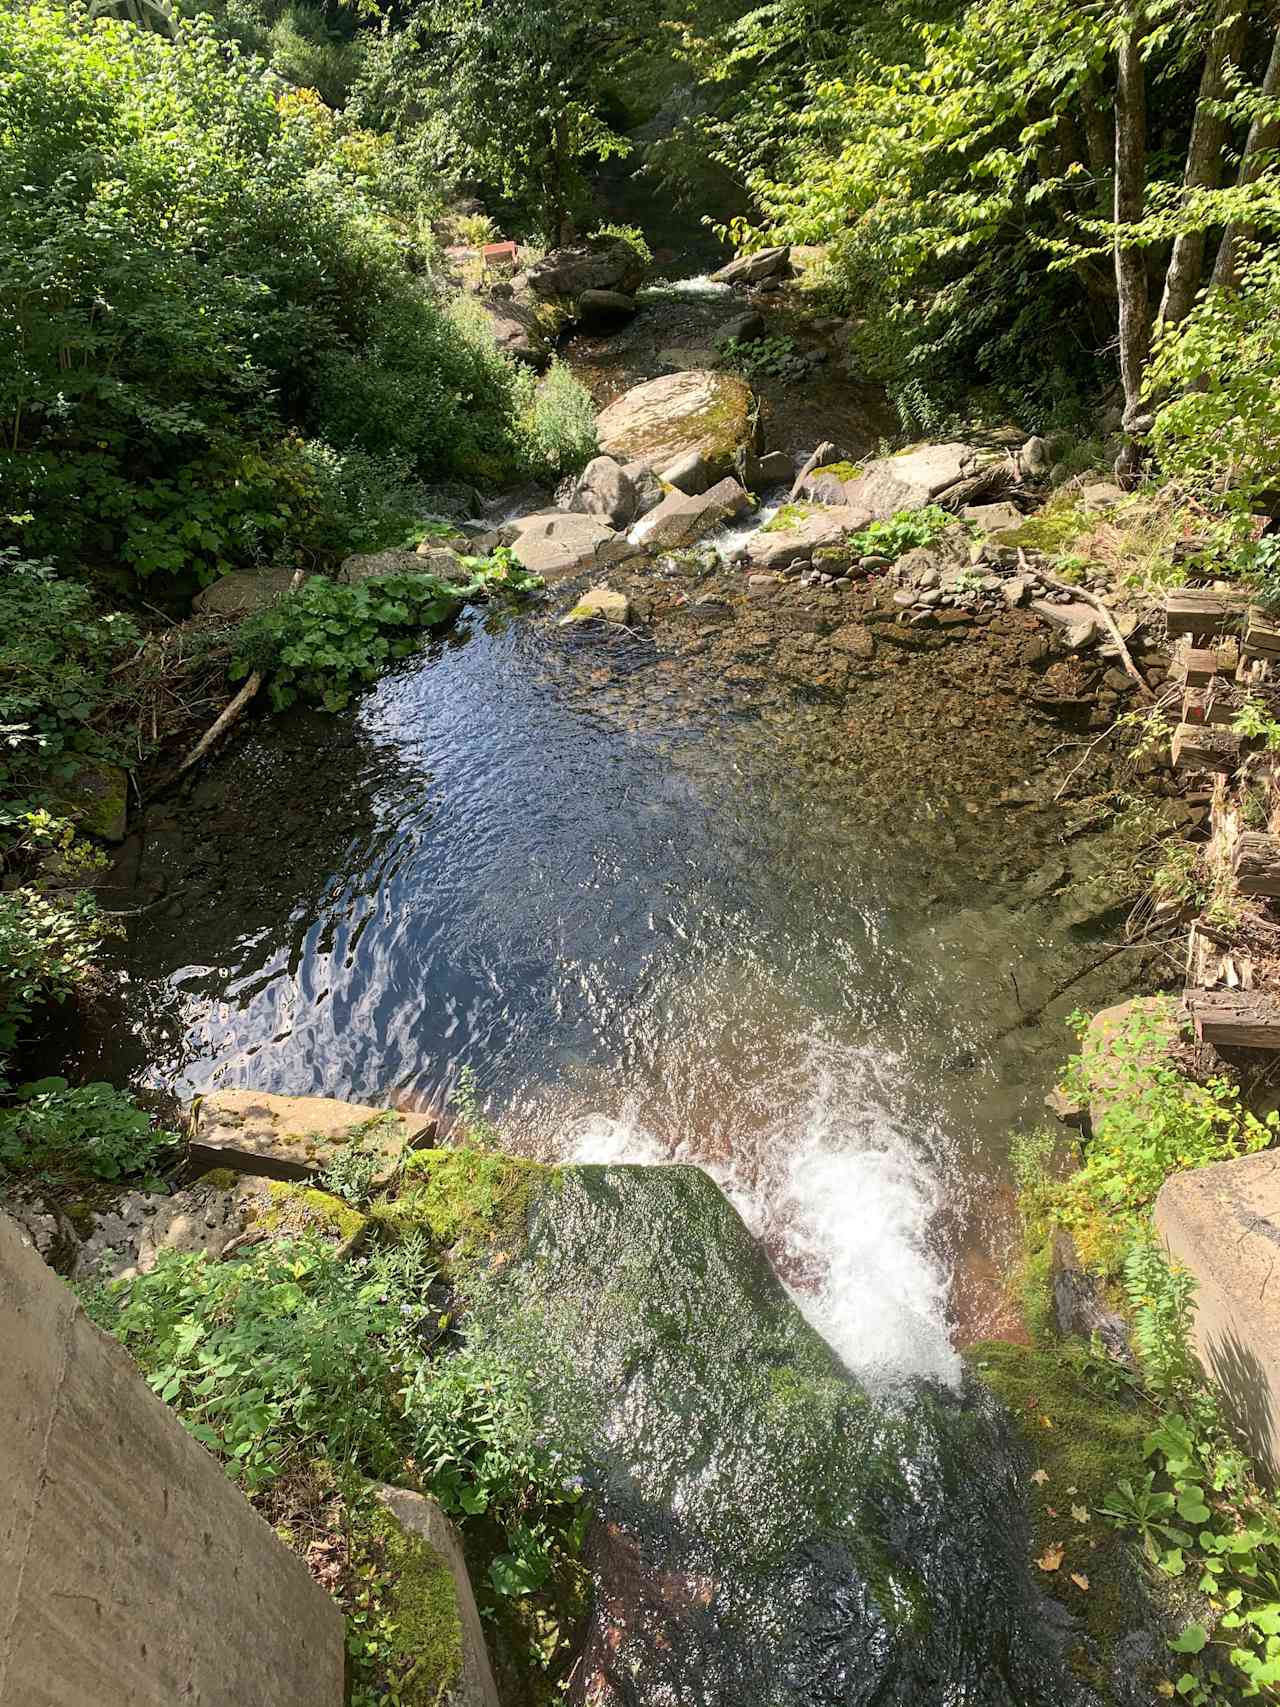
480,1132
57,651
1257,722
48,946
475,1435
1162,1302
351,1173
630,234
280,1356
1219,431
1155,1122
558,425
404,1635
181,417
1259,564
772,357
902,532
92,1130
326,640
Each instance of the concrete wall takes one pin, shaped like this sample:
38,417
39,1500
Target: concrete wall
1223,1223
132,1572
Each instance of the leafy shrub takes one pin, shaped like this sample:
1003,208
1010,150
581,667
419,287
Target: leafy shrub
630,234
158,406
57,651
1221,427
48,946
278,1357
902,532
327,640
774,357
477,229
86,1129
558,426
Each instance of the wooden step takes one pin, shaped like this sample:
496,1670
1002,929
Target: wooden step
1256,863
1196,665
1198,746
1194,610
1241,1019
1261,635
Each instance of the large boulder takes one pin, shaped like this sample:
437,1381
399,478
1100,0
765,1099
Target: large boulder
763,1531
710,415
601,310
243,591
428,559
753,269
681,519
556,543
604,264
518,331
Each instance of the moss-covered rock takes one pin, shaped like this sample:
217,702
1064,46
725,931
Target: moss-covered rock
768,1532
292,1210
469,1202
697,412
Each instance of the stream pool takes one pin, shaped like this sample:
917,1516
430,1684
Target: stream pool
653,931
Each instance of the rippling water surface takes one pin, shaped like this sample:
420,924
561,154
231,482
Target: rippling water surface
649,933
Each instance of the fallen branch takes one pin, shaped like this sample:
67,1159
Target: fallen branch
824,453
1088,598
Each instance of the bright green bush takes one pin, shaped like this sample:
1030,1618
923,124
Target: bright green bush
48,945
558,426
199,275
83,1129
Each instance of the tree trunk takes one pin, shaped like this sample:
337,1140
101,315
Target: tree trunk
1209,134
1131,261
1264,134
1100,139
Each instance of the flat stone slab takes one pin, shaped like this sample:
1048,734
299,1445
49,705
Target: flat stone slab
220,1215
1223,1224
681,519
795,544
421,1517
291,1138
909,480
558,543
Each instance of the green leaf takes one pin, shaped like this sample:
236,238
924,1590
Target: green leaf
1191,1641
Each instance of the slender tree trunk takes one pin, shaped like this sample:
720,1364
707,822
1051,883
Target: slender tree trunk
1099,133
1209,134
1131,262
1264,134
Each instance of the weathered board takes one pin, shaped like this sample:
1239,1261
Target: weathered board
1198,611
1241,1019
1197,665
1196,746
1256,863
1195,705
1261,635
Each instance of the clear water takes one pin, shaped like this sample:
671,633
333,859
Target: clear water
652,930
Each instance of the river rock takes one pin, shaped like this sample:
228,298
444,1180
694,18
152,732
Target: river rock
854,639
743,328
665,419
243,591
757,1516
753,268
517,330
369,565
682,519
774,468
555,543
793,544
598,310
604,489
907,481
95,796
605,264
290,1138
646,486
600,604
1122,1042
993,518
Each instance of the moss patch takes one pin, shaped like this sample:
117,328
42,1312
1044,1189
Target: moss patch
467,1200
219,1179
1050,530
838,471
790,518
295,1209
1084,1439
420,1606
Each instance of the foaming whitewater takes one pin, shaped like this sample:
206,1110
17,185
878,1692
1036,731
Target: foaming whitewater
700,285
845,1200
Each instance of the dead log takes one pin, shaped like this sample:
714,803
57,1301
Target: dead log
825,453
1198,611
1256,863
1108,621
1198,747
1238,1019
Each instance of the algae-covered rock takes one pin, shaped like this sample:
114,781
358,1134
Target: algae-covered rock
666,419
96,798
765,1533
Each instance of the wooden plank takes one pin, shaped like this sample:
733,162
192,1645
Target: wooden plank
1195,705
1221,708
1261,635
1197,665
1240,1019
1199,747
1195,610
1256,863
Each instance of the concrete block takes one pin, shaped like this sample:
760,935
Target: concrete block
133,1573
258,1132
1223,1223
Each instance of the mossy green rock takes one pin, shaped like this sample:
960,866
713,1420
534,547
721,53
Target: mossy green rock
96,799
697,412
767,1532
